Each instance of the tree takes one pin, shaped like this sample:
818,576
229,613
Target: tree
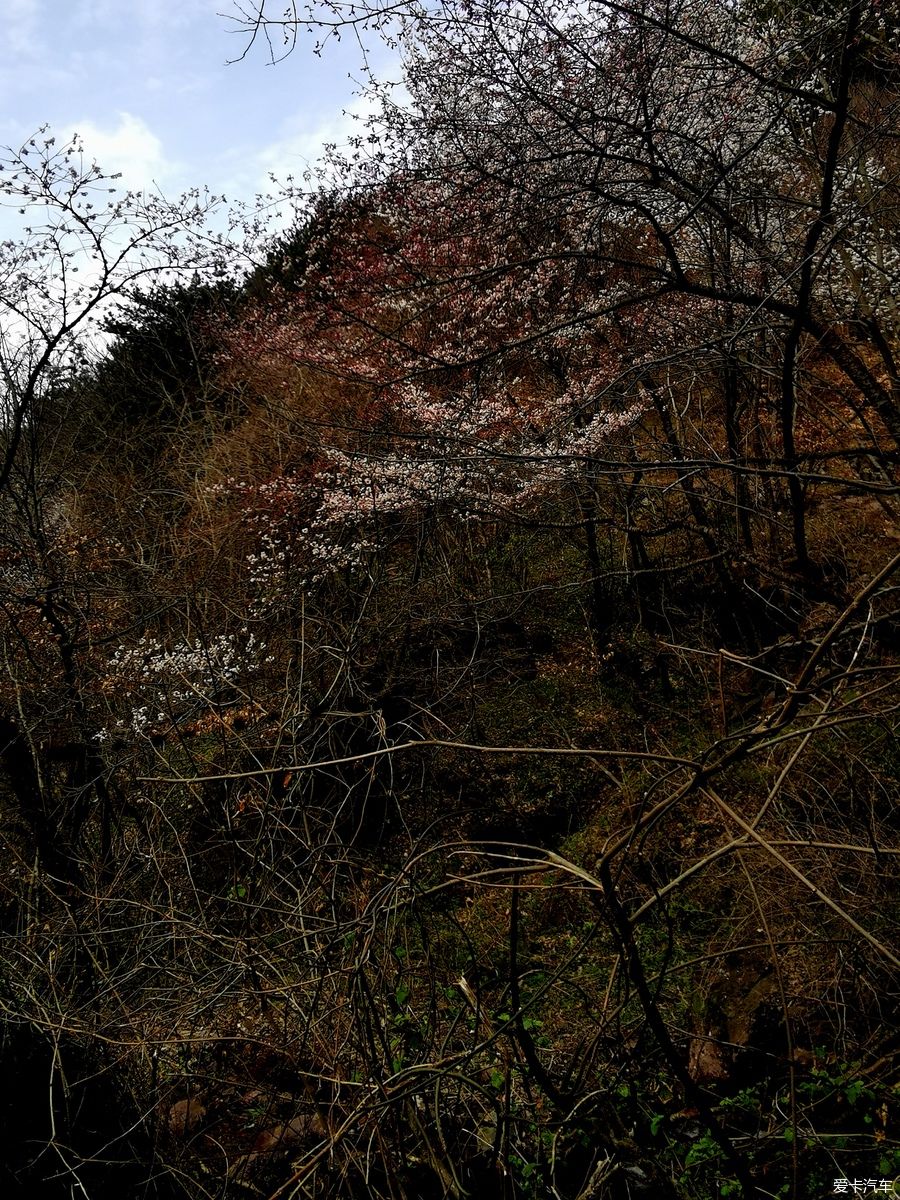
158,368
84,247
724,210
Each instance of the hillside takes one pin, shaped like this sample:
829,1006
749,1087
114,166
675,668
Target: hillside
448,719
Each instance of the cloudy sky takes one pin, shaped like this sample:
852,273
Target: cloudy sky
148,86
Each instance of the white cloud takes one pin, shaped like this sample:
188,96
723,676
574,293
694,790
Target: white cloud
130,147
302,146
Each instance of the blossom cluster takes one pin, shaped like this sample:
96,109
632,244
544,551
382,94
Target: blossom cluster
168,683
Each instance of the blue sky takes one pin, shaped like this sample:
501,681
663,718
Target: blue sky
147,85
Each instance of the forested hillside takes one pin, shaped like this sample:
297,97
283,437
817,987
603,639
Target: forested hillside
451,651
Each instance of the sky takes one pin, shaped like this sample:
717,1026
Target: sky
149,87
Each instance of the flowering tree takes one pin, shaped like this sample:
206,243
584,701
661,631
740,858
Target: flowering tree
84,244
665,178
486,381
